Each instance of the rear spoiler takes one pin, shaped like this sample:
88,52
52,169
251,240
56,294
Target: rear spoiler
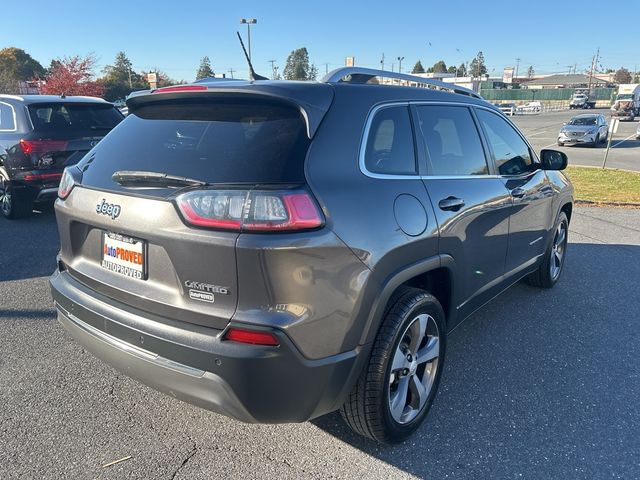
312,102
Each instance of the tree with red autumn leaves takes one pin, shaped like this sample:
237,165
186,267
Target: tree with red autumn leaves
73,76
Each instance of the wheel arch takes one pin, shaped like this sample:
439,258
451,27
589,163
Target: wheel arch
434,274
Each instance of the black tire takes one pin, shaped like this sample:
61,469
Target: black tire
596,142
12,206
545,276
560,144
367,409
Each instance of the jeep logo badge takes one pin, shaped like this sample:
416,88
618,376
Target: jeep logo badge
110,209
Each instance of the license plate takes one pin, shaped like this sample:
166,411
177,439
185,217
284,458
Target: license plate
124,255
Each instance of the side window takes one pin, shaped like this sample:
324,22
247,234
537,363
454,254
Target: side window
452,141
390,147
7,118
510,152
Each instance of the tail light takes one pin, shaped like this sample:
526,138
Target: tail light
253,337
42,146
250,210
68,181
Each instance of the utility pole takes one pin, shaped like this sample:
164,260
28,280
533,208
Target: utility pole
400,64
517,66
231,70
130,83
382,62
273,69
593,66
326,68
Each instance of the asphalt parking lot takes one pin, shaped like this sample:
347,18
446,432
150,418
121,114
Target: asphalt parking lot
538,384
542,131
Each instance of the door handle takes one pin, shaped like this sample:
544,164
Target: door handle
451,203
518,192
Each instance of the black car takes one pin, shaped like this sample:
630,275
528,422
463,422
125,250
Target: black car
277,250
40,135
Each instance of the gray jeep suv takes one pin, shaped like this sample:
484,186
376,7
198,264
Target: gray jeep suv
274,251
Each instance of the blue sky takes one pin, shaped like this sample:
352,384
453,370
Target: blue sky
173,36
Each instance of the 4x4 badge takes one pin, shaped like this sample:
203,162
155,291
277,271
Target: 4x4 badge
110,209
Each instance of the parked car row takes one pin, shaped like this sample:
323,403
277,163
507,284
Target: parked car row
511,109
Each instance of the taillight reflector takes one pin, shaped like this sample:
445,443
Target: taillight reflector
42,176
42,146
252,337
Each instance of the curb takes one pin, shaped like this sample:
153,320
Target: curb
591,203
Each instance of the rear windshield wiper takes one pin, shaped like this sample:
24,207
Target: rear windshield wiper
154,179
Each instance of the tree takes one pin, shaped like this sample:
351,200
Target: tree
418,68
298,67
622,75
73,76
477,68
462,70
439,67
452,69
120,79
163,80
17,65
531,72
205,69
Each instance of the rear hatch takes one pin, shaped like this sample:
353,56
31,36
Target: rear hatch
64,132
125,235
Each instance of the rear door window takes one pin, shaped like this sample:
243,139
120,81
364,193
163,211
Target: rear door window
452,140
72,116
390,149
510,152
231,141
7,118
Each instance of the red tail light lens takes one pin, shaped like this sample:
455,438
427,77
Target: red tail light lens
250,210
67,182
42,146
253,337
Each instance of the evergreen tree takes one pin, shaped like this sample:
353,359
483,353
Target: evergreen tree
298,67
17,65
205,69
477,68
462,70
418,68
439,67
622,75
120,79
531,72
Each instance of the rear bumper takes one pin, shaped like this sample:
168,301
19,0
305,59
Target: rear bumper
254,384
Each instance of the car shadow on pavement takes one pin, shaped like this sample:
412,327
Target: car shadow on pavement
538,383
29,246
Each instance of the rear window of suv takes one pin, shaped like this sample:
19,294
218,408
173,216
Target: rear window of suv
221,141
73,116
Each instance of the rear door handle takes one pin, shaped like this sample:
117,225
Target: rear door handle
451,203
518,192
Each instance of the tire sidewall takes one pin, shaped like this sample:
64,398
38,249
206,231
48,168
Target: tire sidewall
7,183
396,431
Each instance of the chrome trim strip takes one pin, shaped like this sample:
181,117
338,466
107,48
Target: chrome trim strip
130,349
535,241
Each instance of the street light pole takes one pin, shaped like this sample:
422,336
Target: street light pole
248,22
400,64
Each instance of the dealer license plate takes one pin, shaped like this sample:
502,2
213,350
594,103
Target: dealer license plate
124,255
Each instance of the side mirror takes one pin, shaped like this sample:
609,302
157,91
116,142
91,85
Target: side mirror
553,160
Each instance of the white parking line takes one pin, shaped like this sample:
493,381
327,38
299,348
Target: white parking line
622,141
537,133
550,145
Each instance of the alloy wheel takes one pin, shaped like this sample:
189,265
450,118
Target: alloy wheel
558,250
5,195
413,369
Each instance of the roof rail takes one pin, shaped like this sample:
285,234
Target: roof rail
363,75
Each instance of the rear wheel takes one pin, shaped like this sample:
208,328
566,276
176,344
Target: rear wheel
395,390
549,271
11,206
